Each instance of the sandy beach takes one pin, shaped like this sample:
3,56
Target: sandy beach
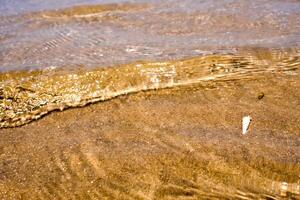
144,99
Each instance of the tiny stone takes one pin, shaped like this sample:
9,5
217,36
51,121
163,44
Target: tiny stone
260,95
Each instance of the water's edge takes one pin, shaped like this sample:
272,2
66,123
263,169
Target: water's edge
28,95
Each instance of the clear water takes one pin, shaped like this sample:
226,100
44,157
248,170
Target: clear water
172,79
33,35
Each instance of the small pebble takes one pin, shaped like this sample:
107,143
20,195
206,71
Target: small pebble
260,95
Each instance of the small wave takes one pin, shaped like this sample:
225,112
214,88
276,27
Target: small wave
91,10
28,95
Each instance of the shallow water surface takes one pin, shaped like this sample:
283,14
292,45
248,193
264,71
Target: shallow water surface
86,33
152,94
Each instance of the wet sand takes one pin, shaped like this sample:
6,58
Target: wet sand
180,143
172,80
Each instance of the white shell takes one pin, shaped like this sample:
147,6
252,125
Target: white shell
246,124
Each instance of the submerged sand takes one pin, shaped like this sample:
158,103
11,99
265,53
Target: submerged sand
167,122
179,143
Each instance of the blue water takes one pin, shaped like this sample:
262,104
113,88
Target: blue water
163,30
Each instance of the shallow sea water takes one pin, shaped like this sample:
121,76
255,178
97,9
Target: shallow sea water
152,95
